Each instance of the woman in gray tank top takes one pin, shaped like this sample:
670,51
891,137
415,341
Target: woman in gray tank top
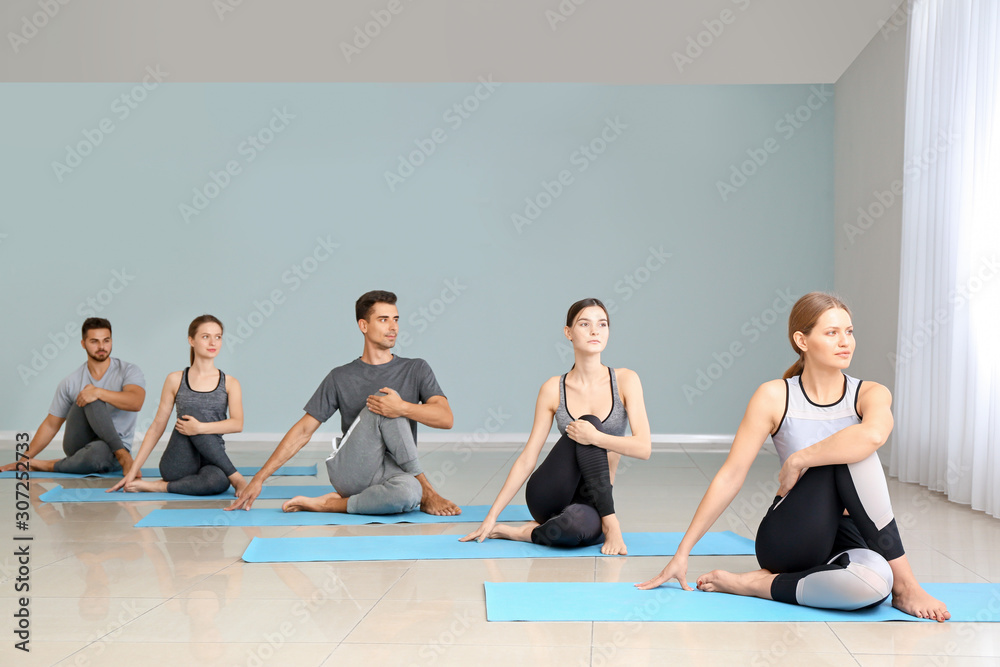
569,496
195,462
829,538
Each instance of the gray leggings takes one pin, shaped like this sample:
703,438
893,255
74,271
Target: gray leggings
89,440
375,466
196,465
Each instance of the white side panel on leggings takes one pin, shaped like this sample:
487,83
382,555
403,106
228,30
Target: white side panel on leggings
867,579
869,480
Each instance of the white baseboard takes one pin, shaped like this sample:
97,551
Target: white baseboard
431,436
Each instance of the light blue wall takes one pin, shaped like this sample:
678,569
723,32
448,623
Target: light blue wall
323,177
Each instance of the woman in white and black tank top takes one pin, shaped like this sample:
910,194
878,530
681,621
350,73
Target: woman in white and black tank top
195,462
829,538
569,495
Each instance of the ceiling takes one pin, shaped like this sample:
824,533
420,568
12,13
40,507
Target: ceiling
598,41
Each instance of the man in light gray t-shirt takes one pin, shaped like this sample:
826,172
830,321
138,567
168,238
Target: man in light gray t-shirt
381,397
99,403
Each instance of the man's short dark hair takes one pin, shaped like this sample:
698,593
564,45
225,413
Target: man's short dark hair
94,323
363,306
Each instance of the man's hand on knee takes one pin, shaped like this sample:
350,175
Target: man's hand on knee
391,405
88,395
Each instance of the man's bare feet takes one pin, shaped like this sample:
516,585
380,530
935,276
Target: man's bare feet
912,599
614,543
331,502
42,466
148,486
432,503
754,584
126,461
518,534
238,481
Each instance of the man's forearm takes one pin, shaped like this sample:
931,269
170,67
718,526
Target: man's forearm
123,400
430,414
43,436
288,447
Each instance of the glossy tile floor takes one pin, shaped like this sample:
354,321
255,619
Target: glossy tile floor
105,593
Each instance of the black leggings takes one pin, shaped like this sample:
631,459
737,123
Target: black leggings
196,465
824,559
570,492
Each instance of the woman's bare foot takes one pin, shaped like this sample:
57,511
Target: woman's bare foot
912,599
753,584
148,486
614,543
518,534
331,502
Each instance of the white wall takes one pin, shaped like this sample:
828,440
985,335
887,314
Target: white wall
869,110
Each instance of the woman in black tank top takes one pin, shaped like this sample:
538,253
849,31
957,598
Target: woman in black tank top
569,496
195,460
810,551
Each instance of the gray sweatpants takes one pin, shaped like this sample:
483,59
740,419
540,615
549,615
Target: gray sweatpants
89,440
375,466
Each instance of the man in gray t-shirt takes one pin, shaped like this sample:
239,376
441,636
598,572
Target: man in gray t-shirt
99,403
381,398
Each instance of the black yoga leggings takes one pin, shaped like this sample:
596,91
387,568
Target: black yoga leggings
823,558
196,465
570,492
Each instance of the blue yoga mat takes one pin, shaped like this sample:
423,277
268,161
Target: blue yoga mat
275,517
248,471
432,547
61,495
624,602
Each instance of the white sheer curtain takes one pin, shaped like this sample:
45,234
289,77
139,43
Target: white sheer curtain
947,403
